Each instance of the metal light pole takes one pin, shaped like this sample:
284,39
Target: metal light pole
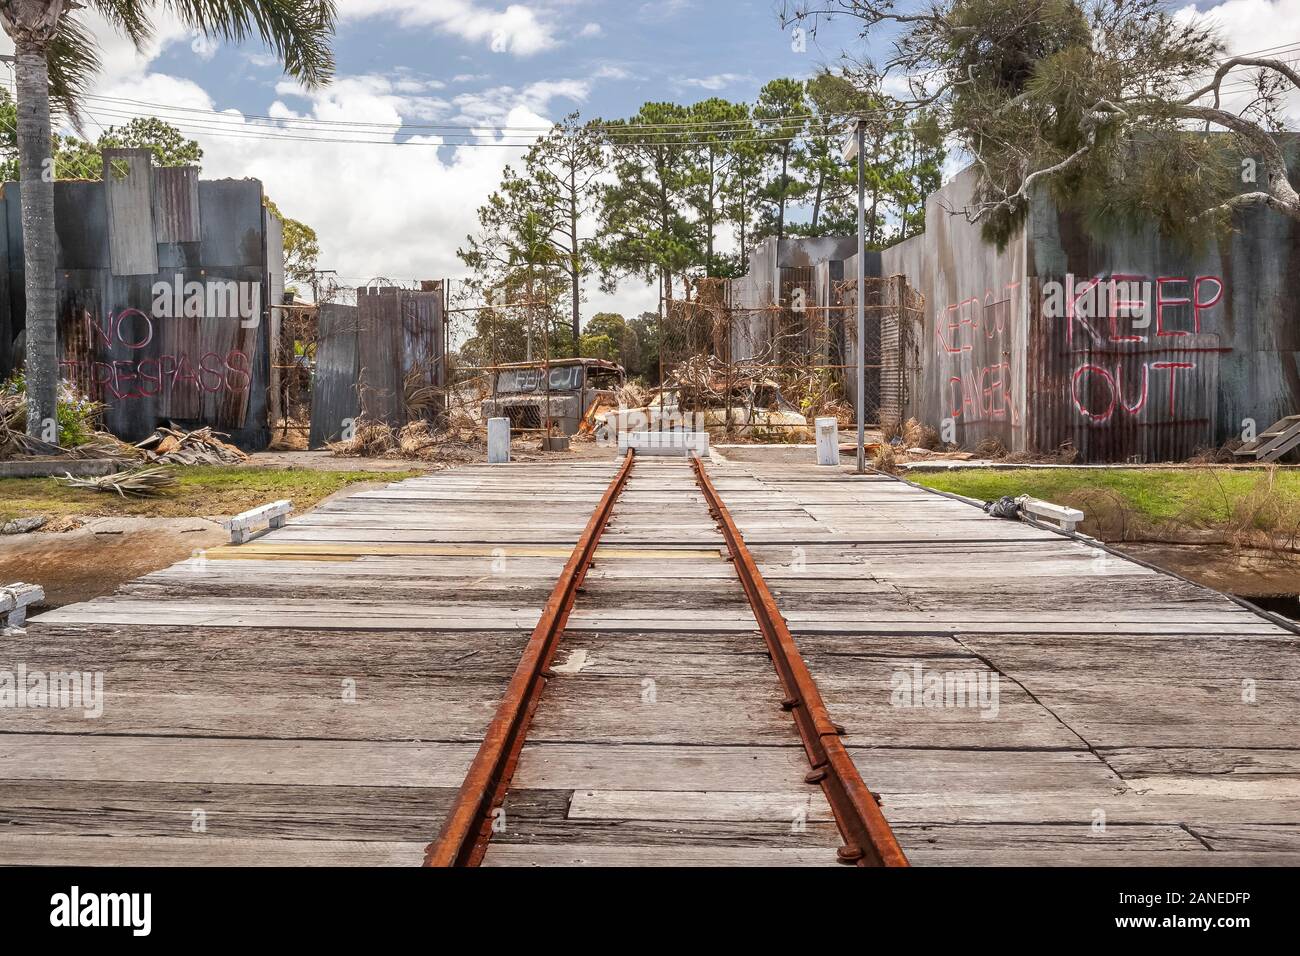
853,150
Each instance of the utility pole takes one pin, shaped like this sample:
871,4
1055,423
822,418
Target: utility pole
853,150
315,282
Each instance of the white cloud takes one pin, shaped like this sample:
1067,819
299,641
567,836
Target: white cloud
717,81
590,30
611,71
517,29
1250,26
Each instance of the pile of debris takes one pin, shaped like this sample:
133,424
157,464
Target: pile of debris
203,446
142,483
747,397
414,441
16,443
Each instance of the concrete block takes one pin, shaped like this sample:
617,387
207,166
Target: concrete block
498,441
678,444
243,526
828,441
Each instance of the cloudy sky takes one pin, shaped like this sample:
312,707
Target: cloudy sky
399,210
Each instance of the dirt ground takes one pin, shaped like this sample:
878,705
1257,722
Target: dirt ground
1246,573
324,461
102,554
105,553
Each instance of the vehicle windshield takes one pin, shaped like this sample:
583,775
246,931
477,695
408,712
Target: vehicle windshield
518,380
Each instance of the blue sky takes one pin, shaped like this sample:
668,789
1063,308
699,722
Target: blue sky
629,51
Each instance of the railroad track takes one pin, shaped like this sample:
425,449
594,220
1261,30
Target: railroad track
865,837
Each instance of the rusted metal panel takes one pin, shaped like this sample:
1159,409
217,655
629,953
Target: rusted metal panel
176,204
381,346
128,194
423,363
334,398
401,346
196,354
1119,387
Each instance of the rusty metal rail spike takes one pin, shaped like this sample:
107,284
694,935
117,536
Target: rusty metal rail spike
468,827
868,839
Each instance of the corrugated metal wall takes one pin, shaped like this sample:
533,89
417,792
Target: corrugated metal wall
196,355
1219,343
334,398
401,343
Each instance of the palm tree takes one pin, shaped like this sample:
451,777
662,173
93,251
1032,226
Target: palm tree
54,59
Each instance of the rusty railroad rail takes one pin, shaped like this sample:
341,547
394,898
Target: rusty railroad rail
468,827
868,839
463,840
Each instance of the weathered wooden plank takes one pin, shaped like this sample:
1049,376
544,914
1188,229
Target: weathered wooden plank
197,850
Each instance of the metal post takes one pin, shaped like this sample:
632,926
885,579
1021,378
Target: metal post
862,315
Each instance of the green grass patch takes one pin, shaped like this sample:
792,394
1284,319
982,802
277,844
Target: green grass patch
202,491
1200,497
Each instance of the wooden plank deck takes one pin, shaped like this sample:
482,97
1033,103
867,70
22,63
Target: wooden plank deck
1120,690
1121,734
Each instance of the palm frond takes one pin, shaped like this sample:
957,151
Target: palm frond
299,31
73,58
128,16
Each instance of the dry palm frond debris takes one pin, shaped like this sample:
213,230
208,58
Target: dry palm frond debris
416,441
16,443
203,446
144,483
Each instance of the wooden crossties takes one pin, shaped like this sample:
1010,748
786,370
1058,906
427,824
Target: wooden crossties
317,695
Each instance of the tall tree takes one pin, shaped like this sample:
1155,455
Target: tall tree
722,128
55,57
564,166
1105,105
781,116
516,263
77,158
645,228
740,197
924,152
829,181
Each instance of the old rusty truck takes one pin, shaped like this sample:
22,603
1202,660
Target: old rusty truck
568,394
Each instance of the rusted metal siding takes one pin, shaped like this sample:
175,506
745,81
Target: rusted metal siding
401,343
128,189
176,204
423,362
334,398
380,343
1217,341
204,366
1117,399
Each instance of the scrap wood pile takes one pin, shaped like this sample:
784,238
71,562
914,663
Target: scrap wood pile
203,446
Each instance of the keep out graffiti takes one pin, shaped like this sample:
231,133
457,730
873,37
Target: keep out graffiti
151,375
1124,333
974,342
